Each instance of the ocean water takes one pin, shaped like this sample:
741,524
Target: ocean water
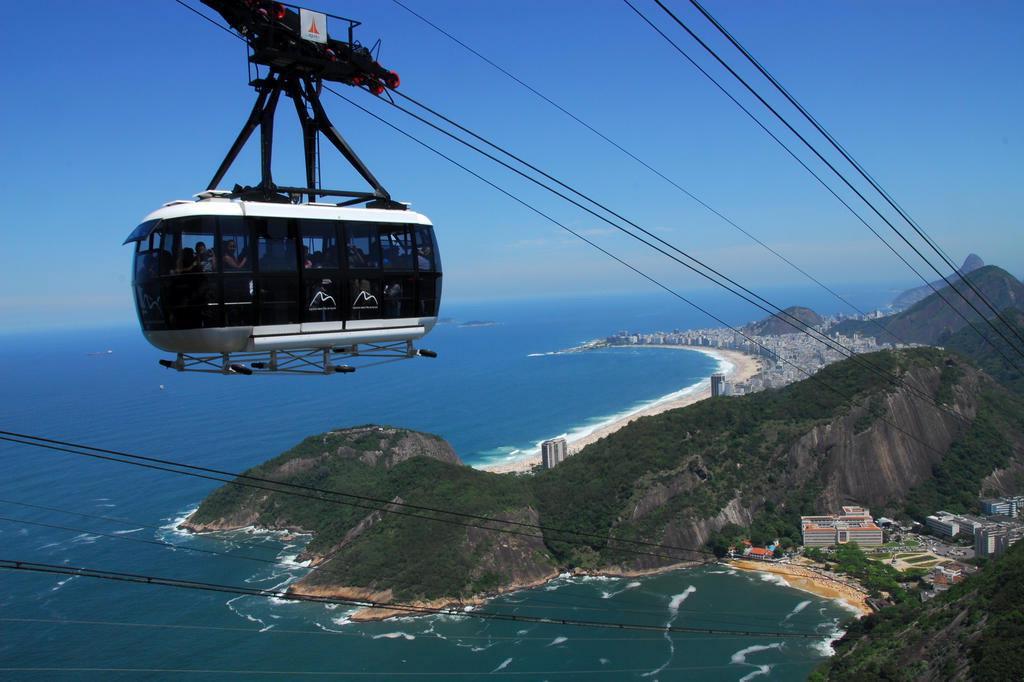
495,391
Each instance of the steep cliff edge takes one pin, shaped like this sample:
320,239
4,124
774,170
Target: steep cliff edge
850,434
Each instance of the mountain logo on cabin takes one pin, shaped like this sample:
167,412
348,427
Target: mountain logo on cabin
323,301
365,301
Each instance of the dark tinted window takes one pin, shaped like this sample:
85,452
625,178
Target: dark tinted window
235,252
279,300
321,300
399,297
275,239
318,244
426,250
396,247
364,299
190,242
363,246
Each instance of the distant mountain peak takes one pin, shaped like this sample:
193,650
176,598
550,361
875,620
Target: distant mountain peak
911,296
971,263
776,325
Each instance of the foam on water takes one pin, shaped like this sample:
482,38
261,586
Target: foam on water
673,608
774,578
557,640
395,635
678,599
504,664
797,609
126,532
740,657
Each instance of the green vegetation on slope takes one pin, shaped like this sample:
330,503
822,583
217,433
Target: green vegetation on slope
973,631
995,363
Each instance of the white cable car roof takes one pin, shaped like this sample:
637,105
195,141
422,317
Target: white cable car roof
222,206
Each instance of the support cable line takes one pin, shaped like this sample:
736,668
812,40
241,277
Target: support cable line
363,502
323,633
113,519
657,283
799,326
832,167
860,169
764,304
653,170
143,541
412,609
532,603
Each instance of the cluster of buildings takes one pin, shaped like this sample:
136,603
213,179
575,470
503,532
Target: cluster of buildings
854,524
553,452
992,533
782,354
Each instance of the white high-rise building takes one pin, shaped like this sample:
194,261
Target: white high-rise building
553,452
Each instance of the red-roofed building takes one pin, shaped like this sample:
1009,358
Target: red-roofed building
759,553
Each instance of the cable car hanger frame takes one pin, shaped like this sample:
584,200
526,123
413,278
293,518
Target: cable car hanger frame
298,65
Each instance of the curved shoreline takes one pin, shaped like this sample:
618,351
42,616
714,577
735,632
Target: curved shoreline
735,365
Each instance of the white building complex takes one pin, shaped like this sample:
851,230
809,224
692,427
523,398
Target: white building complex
947,525
853,525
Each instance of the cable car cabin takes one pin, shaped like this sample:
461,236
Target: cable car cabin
269,281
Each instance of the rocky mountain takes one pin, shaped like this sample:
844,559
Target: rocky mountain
678,478
975,631
932,321
911,296
778,325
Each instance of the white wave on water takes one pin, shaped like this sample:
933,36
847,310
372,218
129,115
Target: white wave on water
62,583
739,657
504,664
629,586
678,599
395,635
824,647
125,532
774,578
48,545
557,640
521,632
603,661
761,670
797,609
846,607
108,505
85,539
673,608
172,526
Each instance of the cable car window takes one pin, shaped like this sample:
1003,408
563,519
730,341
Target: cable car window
190,241
426,259
364,299
279,300
235,255
399,297
321,300
429,294
363,246
238,300
396,247
319,244
193,302
276,244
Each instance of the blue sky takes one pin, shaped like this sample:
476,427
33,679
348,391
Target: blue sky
112,108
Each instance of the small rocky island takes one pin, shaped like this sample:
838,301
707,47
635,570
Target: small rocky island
358,552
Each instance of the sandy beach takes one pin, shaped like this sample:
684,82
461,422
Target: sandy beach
808,580
738,367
